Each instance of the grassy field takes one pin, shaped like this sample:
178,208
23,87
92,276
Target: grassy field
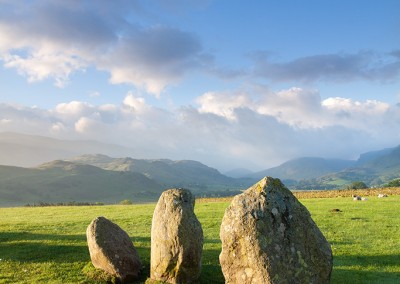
48,244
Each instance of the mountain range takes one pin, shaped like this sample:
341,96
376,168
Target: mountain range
373,168
70,174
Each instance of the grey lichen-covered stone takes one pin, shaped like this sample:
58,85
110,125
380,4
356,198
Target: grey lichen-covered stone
176,239
112,250
268,236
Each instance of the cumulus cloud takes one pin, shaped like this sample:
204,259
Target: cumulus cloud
47,39
298,108
223,104
225,129
152,58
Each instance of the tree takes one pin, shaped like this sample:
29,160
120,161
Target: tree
357,185
126,202
393,183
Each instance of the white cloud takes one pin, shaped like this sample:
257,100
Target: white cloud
223,104
74,108
84,124
39,66
295,106
135,104
256,131
345,104
55,39
57,127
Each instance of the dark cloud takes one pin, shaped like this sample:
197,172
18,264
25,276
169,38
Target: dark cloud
59,22
42,36
329,67
156,46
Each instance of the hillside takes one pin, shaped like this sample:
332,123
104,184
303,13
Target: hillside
382,167
99,178
61,181
304,168
168,173
375,168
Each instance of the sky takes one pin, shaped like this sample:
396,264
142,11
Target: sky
232,84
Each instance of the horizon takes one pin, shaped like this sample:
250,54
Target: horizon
226,83
128,150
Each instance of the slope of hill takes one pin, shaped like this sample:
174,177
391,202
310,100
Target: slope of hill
168,173
99,178
61,181
372,155
304,168
380,168
28,150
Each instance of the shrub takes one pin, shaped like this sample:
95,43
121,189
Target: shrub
126,202
357,185
393,183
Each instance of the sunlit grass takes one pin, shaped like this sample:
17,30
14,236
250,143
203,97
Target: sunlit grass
48,245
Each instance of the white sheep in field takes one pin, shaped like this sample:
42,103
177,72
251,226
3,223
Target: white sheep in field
380,195
356,198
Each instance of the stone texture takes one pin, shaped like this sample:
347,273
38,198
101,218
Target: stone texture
268,236
112,250
176,239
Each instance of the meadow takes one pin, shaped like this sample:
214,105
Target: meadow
48,244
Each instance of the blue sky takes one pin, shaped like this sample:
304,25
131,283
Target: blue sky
229,83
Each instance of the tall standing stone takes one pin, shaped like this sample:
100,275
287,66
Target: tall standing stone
112,250
176,239
268,236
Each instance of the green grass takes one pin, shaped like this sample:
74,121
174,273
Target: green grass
48,245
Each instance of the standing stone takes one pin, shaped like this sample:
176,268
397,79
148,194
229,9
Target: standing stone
268,236
112,250
176,239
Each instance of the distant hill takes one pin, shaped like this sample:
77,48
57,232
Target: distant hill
29,150
92,177
374,168
61,181
304,168
99,178
379,168
372,155
185,173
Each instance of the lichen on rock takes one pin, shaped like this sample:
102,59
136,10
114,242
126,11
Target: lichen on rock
268,236
176,239
112,251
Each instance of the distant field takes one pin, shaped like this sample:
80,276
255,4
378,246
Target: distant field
307,194
48,245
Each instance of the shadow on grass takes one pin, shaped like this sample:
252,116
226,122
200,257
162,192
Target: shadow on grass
365,269
40,248
211,270
32,247
27,236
